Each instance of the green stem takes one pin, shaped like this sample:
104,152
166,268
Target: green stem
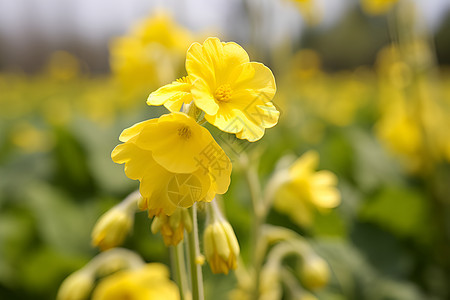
180,269
251,176
194,252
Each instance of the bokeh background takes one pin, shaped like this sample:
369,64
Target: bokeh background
365,83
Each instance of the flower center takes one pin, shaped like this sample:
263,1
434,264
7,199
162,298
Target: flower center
223,92
184,132
183,79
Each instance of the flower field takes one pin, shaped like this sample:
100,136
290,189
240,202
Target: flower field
199,167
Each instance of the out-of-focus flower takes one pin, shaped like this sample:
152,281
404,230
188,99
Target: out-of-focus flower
30,138
172,227
77,286
150,55
63,66
377,7
309,11
413,118
234,93
307,189
101,102
306,63
220,242
150,282
176,160
401,133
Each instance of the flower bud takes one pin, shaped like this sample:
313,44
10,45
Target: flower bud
314,272
221,246
76,287
112,228
172,227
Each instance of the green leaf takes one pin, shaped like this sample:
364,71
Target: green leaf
401,210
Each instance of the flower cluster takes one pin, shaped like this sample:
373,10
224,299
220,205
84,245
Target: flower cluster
413,119
149,55
176,160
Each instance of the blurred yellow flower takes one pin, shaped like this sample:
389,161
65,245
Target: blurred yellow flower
309,11
63,65
401,133
377,7
234,93
30,138
307,189
176,160
414,117
172,227
150,282
150,55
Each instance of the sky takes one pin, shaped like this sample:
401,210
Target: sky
96,18
96,21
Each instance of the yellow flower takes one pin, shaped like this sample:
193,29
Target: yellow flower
176,160
150,55
172,227
307,189
149,282
220,243
234,93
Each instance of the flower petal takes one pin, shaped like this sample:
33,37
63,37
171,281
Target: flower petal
137,161
256,78
172,95
134,130
305,164
171,150
326,198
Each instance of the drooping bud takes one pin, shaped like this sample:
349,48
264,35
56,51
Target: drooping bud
113,226
220,242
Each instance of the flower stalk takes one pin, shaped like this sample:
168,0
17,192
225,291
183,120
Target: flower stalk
194,254
180,269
